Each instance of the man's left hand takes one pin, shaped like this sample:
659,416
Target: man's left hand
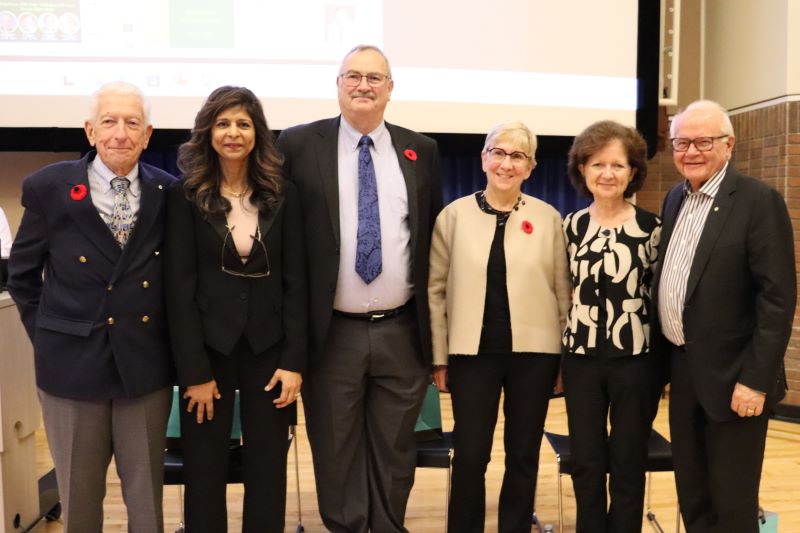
747,402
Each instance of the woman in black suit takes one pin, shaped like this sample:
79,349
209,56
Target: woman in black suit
237,309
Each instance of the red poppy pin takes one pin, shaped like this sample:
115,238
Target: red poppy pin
78,192
410,154
527,227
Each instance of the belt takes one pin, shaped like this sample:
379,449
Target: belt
374,316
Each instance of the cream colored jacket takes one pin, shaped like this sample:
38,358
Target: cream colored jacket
536,277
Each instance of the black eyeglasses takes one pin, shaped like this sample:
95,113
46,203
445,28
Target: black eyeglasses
703,144
256,238
351,78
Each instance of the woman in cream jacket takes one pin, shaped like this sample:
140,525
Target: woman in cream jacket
499,292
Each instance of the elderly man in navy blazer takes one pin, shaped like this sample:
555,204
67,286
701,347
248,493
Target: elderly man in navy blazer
85,272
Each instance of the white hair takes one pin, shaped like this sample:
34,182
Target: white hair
706,105
364,48
118,88
512,131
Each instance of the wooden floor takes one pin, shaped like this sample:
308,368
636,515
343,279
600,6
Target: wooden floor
780,486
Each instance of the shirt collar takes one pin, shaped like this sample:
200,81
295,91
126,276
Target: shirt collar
105,176
352,135
711,187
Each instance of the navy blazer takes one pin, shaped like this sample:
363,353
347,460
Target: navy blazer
311,152
96,319
210,308
740,294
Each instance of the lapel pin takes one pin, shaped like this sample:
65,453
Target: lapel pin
160,186
716,209
410,154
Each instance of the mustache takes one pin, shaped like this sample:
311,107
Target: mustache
364,94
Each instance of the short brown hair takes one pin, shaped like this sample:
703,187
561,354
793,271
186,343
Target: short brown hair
595,138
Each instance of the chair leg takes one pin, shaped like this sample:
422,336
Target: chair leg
447,492
678,521
293,433
560,504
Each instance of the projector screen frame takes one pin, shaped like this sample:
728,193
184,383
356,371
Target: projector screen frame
53,139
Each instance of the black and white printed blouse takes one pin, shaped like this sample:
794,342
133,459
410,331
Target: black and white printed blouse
611,270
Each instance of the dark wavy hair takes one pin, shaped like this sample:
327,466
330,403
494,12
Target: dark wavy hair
199,163
595,138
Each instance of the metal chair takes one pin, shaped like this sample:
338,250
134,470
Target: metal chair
438,453
659,459
173,458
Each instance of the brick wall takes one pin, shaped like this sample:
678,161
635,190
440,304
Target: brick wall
768,147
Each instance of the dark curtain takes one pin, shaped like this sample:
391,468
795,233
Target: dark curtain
461,169
462,173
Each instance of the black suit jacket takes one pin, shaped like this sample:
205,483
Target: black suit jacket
210,308
96,320
311,152
741,292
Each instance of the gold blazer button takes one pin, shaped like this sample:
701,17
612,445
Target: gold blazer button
110,321
82,259
145,284
145,319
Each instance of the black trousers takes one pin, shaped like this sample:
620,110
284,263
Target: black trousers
717,463
475,386
265,443
627,390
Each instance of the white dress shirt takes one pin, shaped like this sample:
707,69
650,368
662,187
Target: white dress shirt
100,177
394,286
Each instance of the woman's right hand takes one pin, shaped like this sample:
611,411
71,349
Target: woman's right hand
440,377
202,396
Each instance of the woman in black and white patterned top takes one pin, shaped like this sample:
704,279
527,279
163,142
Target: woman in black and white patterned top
608,370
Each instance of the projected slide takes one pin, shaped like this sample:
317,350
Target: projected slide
457,65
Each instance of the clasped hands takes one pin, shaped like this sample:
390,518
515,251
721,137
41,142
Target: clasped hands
202,396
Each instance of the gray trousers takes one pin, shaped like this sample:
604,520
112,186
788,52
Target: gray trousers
361,402
84,434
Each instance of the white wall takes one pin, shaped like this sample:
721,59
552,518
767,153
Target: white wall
748,56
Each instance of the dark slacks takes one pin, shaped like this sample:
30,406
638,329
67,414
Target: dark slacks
475,386
361,400
717,463
265,442
84,434
626,390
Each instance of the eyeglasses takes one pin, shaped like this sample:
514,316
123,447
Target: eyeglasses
498,155
703,144
256,238
351,78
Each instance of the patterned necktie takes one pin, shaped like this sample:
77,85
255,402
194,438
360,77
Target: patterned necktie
121,223
368,251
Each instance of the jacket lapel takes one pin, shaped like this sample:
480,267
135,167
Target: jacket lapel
220,225
85,215
715,222
328,161
408,167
